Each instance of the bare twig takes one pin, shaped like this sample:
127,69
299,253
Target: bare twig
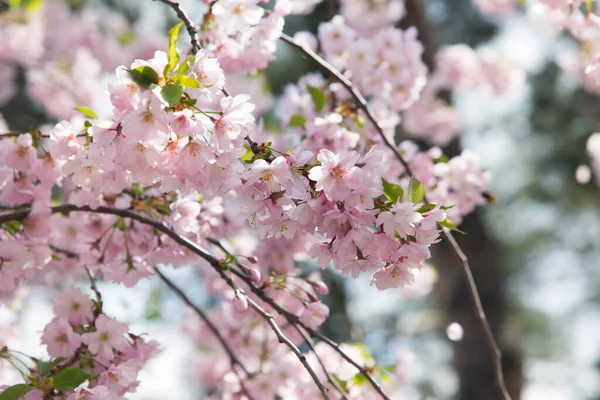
94,287
295,321
363,105
189,25
311,346
190,245
213,328
283,339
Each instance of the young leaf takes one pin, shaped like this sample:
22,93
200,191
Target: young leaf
15,392
359,379
318,97
360,121
173,57
70,378
392,191
186,81
426,208
447,207
87,112
144,76
172,93
247,158
297,121
416,191
152,311
448,224
185,65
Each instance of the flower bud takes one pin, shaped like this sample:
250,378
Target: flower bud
254,275
253,259
240,302
320,287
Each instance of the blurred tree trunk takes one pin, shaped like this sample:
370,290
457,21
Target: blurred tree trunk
472,358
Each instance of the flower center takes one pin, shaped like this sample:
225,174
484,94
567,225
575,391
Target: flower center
338,172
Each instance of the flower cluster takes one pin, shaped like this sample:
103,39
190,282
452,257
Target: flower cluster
92,355
180,160
63,66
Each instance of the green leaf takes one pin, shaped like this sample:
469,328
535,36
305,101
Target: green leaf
70,378
15,392
392,191
448,224
46,366
31,5
441,159
144,76
318,97
297,121
173,56
152,311
447,207
359,379
416,191
185,65
12,227
247,158
126,38
172,93
360,121
87,112
186,81
426,208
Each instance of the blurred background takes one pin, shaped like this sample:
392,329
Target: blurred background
534,252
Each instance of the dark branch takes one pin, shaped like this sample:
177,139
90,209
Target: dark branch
189,25
232,357
363,105
190,245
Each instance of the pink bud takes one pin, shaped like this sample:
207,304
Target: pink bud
320,287
254,275
240,302
291,158
253,259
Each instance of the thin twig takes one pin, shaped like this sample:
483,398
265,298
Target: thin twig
474,294
324,65
94,287
283,339
295,321
189,25
234,361
190,245
311,346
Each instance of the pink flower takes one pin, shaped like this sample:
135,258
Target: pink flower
236,112
395,275
336,174
74,306
108,337
402,218
234,15
314,314
60,339
270,175
20,155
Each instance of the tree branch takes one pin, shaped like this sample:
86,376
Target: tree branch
294,320
196,249
363,105
189,25
232,357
